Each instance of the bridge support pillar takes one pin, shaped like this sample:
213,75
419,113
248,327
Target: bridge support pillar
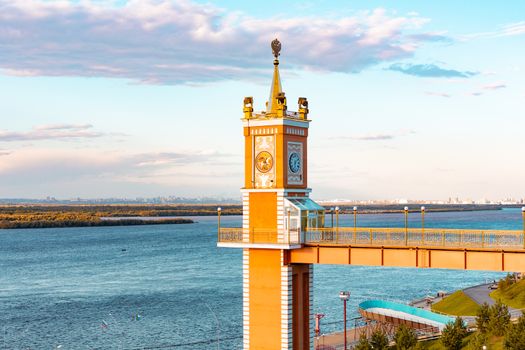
277,299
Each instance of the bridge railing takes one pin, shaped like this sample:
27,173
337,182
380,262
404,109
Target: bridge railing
431,237
239,235
428,237
230,235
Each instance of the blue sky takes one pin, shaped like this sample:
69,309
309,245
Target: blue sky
409,99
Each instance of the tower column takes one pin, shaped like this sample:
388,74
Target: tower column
277,295
277,302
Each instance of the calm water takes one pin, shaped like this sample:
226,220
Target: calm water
82,288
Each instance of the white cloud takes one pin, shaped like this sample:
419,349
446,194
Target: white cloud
171,42
86,173
511,29
440,94
377,136
52,132
38,165
494,86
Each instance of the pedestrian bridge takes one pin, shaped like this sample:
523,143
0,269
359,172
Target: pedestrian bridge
491,250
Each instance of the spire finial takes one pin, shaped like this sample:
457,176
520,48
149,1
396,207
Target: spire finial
276,48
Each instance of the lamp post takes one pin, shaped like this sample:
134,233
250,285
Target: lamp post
355,224
422,225
219,209
288,212
344,296
406,225
336,224
332,215
523,216
318,318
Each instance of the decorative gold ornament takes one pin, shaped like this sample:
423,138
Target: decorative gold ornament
276,48
264,161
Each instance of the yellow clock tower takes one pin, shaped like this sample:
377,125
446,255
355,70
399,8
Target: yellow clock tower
277,295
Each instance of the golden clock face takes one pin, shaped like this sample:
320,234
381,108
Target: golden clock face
264,161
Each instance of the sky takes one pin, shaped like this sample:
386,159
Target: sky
408,99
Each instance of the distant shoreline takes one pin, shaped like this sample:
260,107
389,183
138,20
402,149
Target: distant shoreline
47,216
4,224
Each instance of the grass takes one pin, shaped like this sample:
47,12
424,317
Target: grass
513,296
494,343
457,304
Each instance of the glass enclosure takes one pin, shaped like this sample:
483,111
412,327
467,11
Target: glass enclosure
302,212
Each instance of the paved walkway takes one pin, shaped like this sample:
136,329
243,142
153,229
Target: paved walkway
480,294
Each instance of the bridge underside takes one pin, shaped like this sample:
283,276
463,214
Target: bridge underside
411,256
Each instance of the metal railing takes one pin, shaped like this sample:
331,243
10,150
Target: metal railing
230,235
239,235
431,237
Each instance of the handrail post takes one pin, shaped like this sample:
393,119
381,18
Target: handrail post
442,238
371,236
482,239
219,224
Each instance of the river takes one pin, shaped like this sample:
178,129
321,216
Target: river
170,287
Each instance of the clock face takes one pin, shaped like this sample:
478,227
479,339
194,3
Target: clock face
264,161
294,162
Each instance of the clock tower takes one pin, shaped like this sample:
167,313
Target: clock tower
277,295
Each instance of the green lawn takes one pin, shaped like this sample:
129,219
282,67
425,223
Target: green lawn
457,304
513,296
494,343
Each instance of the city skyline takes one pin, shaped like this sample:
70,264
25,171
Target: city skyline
143,99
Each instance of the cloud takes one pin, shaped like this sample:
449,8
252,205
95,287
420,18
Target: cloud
4,153
84,166
51,132
373,137
511,29
494,86
432,37
440,94
173,42
377,136
429,71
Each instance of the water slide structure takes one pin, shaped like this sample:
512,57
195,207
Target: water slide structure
395,313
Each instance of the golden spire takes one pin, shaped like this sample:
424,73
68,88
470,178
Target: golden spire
277,101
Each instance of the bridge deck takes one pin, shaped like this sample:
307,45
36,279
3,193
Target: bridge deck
496,250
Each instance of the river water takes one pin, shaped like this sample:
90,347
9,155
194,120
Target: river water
170,287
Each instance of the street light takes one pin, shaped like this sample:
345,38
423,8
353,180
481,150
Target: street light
318,318
219,209
336,224
406,225
355,224
344,296
423,225
523,215
288,212
332,215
